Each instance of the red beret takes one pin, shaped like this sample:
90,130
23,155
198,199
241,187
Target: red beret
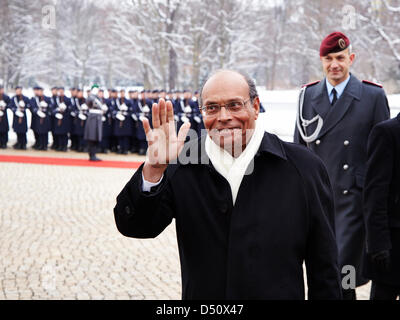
334,42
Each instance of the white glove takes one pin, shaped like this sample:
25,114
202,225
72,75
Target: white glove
134,117
84,107
197,119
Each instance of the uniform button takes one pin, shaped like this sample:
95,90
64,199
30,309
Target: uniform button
127,210
317,142
346,142
345,167
345,192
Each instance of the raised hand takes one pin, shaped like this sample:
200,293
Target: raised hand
164,145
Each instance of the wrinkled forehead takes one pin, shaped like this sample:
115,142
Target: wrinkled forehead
225,86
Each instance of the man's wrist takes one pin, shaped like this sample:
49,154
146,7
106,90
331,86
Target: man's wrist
152,173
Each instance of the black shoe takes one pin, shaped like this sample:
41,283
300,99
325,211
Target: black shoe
134,150
142,152
23,147
124,152
17,146
94,159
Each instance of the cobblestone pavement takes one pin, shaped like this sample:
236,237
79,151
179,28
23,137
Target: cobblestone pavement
58,238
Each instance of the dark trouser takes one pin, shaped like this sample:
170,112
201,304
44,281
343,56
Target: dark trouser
21,140
55,144
61,141
81,144
3,139
74,142
92,148
43,141
36,144
380,291
143,144
134,144
105,144
123,143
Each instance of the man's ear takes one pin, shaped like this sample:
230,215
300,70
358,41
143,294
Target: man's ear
352,57
256,106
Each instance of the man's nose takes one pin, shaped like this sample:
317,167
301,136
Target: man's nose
224,114
334,65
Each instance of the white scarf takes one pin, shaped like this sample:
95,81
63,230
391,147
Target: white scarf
233,169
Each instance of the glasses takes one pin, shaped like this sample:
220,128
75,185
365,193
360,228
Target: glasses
213,109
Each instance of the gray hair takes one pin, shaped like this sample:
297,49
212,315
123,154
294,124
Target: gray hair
250,82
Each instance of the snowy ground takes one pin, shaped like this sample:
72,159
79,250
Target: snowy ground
279,118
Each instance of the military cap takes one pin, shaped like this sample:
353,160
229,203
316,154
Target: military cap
334,42
18,87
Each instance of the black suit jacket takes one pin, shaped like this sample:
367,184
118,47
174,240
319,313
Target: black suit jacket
283,215
382,197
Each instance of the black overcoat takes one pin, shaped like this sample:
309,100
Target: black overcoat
382,199
342,146
255,249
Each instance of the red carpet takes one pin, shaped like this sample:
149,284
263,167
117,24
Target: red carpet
70,162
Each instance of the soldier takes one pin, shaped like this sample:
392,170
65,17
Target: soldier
134,102
34,102
143,110
197,117
42,119
53,105
80,111
4,126
123,124
73,137
61,118
334,120
19,103
94,124
107,123
111,103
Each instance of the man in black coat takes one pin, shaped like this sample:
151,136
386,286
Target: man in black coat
257,216
382,210
335,118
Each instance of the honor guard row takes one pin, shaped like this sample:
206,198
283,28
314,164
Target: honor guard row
65,117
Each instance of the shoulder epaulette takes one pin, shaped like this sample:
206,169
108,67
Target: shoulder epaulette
373,83
311,84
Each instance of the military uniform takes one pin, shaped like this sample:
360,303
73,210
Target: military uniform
4,126
61,118
142,109
342,145
123,124
19,104
80,111
94,125
53,106
42,120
